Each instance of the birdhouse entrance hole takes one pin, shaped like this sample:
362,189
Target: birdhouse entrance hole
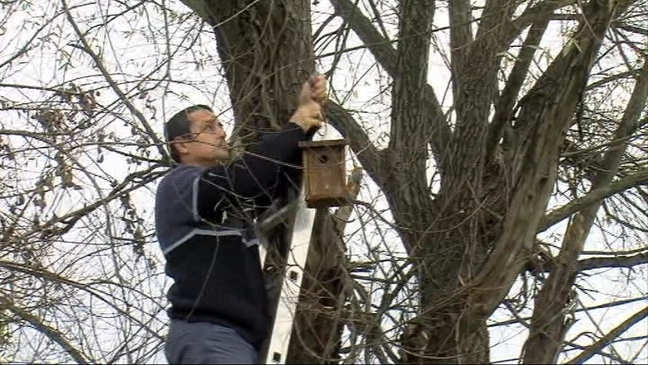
323,158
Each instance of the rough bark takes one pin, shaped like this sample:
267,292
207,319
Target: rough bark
471,241
266,54
462,296
436,129
266,51
320,318
550,322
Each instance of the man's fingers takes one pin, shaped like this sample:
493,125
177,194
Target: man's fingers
319,91
315,89
314,122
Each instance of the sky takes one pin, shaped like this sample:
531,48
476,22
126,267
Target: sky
134,48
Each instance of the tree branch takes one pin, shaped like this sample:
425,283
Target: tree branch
544,117
593,196
460,39
530,15
87,287
612,158
508,97
370,157
408,140
613,262
524,320
609,337
549,326
465,163
104,72
436,127
380,47
51,332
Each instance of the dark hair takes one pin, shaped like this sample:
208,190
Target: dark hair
179,126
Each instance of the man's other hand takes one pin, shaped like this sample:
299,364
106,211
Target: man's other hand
314,89
312,97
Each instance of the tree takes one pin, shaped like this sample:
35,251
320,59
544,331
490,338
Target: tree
510,166
530,137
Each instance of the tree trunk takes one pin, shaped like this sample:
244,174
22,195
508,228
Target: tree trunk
267,53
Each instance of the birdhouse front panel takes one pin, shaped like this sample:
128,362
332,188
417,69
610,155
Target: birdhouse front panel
324,171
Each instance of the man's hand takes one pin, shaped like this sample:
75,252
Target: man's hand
314,90
312,97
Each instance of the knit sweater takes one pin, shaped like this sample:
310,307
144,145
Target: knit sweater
205,227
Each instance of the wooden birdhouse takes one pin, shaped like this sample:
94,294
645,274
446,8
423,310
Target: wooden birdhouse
324,173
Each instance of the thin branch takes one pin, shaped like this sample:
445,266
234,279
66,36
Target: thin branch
593,196
87,287
613,262
609,337
530,15
370,157
385,54
600,306
106,74
380,47
26,48
51,332
634,29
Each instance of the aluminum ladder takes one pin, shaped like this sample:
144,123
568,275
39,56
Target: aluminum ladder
275,351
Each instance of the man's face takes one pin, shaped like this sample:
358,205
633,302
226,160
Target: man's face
208,144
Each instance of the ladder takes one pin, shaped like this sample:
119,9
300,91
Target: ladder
276,349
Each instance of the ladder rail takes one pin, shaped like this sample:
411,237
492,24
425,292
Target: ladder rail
284,318
300,239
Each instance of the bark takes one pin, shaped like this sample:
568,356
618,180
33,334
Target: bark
462,297
549,324
266,51
406,183
435,126
507,100
320,318
472,240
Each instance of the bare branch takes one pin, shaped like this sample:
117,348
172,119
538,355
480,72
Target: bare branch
436,127
508,97
613,262
380,47
106,74
370,157
609,337
548,326
524,320
531,14
51,332
542,132
591,197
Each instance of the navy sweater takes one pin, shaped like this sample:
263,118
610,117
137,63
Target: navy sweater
213,260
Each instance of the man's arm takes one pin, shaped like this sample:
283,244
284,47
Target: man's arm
255,175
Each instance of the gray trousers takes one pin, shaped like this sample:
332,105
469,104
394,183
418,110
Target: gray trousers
207,343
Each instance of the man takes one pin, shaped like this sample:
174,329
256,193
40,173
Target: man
204,215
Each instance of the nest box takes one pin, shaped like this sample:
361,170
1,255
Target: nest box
324,173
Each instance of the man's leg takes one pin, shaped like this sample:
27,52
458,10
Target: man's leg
207,343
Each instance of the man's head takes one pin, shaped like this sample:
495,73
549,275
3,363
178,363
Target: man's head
196,137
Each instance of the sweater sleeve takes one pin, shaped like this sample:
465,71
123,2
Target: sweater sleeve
253,177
